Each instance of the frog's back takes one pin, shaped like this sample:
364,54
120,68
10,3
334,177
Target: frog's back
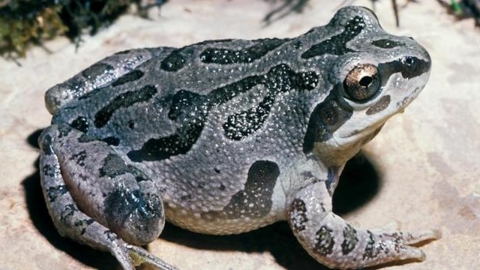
203,114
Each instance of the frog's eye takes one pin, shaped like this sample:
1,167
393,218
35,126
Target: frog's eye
362,82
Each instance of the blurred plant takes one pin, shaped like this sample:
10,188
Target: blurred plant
26,22
463,9
289,6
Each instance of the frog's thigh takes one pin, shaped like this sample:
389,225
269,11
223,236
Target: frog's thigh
337,244
88,187
116,69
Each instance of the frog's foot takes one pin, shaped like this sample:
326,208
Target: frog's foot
337,244
95,198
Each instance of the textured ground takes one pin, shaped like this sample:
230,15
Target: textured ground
421,171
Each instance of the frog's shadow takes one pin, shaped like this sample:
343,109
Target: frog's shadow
359,183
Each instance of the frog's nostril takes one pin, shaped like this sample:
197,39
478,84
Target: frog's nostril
409,61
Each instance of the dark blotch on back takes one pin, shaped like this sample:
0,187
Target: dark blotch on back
165,147
184,102
325,119
112,140
80,123
244,55
174,61
255,200
279,79
226,93
336,45
129,77
241,125
123,100
97,70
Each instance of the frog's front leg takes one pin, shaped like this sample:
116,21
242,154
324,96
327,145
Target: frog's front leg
335,243
95,198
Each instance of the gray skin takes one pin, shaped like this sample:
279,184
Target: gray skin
224,137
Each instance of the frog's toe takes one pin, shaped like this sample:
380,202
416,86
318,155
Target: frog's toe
139,256
130,256
411,253
415,237
409,237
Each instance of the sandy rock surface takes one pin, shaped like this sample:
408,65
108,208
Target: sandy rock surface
425,162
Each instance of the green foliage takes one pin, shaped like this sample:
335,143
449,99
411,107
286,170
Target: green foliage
18,31
26,22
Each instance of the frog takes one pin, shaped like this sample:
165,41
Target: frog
227,136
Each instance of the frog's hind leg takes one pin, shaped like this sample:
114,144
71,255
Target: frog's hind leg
335,243
95,198
115,69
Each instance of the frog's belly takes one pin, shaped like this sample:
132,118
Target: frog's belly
230,220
